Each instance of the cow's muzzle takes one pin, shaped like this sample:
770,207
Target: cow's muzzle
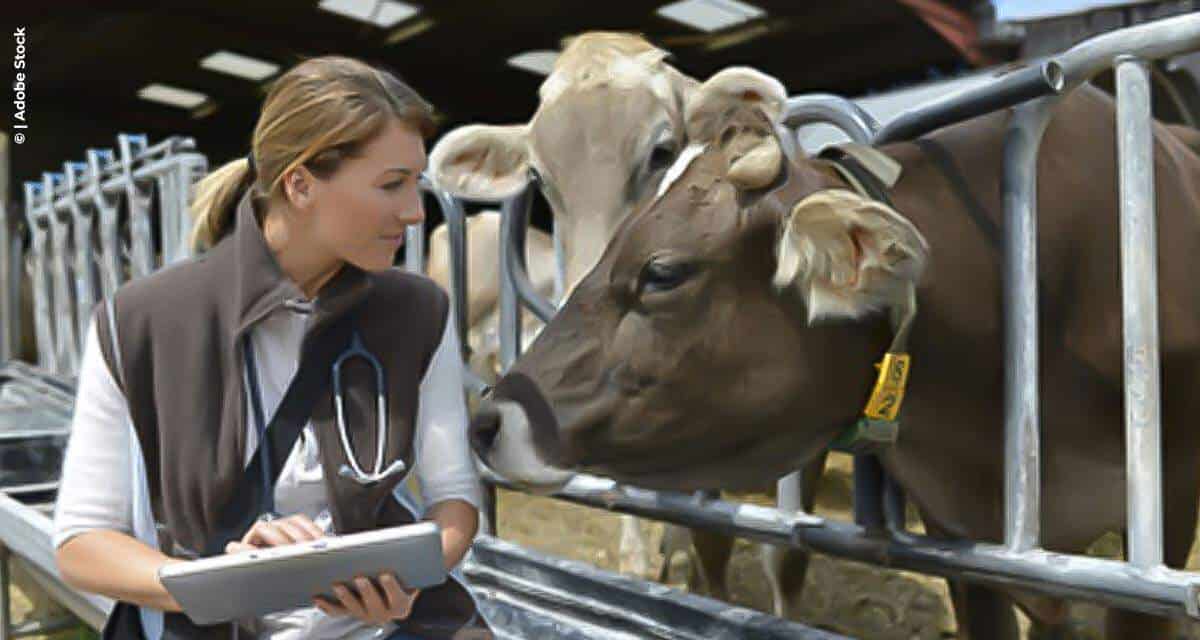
515,433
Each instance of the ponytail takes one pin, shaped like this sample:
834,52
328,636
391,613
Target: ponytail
215,197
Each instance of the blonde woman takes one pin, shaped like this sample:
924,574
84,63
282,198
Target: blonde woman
204,421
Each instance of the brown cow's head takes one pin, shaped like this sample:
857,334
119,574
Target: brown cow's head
728,331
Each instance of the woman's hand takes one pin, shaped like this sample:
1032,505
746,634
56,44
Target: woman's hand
373,602
273,533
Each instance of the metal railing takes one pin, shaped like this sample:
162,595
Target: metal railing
1143,583
109,197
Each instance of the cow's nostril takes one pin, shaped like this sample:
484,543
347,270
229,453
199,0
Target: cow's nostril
484,429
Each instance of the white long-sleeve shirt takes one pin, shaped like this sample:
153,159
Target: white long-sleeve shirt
104,485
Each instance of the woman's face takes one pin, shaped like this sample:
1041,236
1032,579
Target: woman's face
361,212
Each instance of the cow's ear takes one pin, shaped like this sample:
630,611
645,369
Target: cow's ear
710,105
846,255
484,162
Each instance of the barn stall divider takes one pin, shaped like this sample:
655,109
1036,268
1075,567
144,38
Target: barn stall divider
121,215
878,535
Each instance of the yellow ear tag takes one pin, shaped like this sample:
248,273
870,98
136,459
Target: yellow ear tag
888,394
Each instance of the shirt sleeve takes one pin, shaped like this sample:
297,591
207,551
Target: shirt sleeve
96,487
445,467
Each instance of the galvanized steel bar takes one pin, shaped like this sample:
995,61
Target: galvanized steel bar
824,108
510,307
137,199
414,248
10,286
82,224
1149,41
1139,303
43,315
1164,592
456,226
60,257
108,214
1039,78
1022,449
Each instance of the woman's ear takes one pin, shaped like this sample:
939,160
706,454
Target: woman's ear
297,187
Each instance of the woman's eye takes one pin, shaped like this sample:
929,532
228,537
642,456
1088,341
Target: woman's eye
658,276
392,186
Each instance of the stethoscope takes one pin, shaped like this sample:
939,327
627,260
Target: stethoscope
351,469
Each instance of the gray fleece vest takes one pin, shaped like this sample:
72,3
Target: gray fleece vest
180,330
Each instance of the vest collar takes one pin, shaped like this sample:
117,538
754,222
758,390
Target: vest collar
262,286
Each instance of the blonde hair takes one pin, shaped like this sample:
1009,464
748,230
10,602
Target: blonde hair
318,113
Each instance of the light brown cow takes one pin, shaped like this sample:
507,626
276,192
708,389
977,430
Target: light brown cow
728,333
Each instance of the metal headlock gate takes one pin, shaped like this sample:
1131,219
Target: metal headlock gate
122,215
878,536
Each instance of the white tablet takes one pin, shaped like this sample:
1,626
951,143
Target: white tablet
253,583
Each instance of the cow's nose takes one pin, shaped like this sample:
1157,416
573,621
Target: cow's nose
485,427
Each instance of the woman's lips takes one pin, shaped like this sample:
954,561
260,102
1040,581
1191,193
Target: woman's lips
396,240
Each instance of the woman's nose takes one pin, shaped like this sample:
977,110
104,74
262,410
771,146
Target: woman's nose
414,214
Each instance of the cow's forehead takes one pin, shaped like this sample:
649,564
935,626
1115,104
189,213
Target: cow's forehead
696,215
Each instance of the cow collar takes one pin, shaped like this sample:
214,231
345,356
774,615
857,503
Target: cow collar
871,174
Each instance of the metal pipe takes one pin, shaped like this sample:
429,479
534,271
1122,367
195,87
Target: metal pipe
1149,41
1040,78
42,314
510,308
111,271
1022,449
63,308
414,248
515,255
10,283
824,108
456,225
1139,304
82,223
113,167
141,242
1110,582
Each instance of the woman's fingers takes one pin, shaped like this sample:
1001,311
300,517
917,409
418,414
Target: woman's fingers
289,530
399,598
349,601
377,611
308,525
238,547
329,608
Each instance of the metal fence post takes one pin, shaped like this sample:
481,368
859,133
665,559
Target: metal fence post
10,282
82,223
60,254
1139,304
141,249
1022,448
107,211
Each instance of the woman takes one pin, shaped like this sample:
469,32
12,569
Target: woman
186,369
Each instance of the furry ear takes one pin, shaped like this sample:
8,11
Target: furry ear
483,162
847,255
729,90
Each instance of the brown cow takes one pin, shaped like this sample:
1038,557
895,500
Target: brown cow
728,334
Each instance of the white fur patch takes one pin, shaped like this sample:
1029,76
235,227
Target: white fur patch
690,153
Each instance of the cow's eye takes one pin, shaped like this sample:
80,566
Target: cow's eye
661,275
661,156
